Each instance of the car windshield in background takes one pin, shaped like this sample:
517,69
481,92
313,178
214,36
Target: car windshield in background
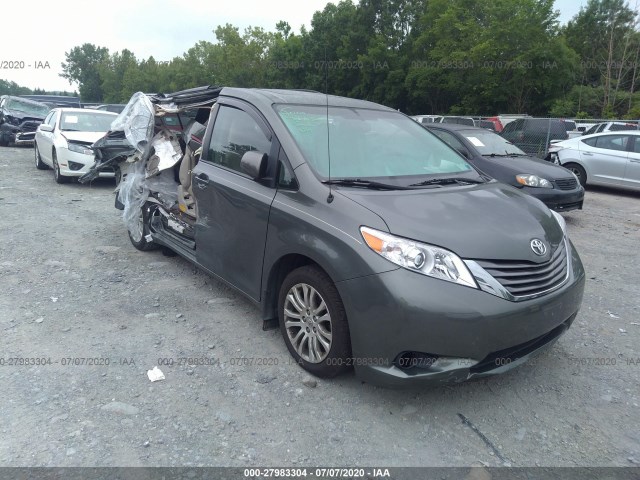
28,107
489,143
369,143
86,122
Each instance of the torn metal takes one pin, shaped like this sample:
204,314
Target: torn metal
154,163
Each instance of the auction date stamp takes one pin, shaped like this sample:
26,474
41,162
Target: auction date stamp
14,64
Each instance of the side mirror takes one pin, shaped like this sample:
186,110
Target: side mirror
254,164
45,127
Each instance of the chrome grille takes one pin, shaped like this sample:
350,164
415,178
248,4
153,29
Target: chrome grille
567,183
523,278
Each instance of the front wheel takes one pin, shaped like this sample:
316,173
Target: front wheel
313,322
40,165
139,230
57,176
578,171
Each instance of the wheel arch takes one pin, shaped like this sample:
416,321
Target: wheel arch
277,273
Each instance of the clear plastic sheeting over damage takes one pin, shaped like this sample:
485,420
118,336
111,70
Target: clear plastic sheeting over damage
136,121
133,193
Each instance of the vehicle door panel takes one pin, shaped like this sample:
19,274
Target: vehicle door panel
233,209
632,173
607,159
45,142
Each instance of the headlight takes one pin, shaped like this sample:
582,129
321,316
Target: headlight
419,257
561,222
533,181
80,149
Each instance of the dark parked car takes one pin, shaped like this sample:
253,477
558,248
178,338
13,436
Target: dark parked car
370,241
557,187
63,101
533,135
19,119
110,107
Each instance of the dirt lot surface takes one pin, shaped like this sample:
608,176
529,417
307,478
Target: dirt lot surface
74,288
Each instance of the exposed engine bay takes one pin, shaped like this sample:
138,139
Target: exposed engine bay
153,146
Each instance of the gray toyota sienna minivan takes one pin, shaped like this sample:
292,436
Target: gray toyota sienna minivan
374,244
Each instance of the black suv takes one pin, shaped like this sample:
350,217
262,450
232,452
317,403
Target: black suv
19,119
533,135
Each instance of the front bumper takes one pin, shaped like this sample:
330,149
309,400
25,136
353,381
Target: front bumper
74,164
460,332
558,200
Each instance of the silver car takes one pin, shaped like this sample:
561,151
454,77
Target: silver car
611,159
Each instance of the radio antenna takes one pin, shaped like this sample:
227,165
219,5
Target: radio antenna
326,96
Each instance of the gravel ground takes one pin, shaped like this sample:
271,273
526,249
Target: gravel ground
73,287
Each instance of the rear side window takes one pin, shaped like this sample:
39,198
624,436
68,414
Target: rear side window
616,127
612,142
235,133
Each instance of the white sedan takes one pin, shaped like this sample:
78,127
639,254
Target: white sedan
63,141
611,158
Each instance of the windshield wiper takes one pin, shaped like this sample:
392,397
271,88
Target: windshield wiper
358,182
447,181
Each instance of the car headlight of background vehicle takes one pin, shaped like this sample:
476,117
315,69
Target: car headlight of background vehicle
533,181
74,147
419,257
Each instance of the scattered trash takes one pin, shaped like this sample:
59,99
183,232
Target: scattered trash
54,299
178,315
155,374
634,323
622,330
40,320
612,315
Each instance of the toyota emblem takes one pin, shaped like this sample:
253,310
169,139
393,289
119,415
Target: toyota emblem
538,247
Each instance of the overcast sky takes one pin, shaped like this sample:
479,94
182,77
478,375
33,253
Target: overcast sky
162,28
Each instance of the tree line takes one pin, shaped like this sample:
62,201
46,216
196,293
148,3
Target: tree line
477,57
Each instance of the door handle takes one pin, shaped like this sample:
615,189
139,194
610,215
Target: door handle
635,161
202,180
587,154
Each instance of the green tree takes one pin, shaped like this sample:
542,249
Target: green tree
82,66
604,34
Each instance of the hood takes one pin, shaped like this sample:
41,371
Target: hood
23,116
532,165
85,137
492,221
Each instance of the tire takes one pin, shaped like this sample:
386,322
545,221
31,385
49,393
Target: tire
578,171
57,176
325,347
40,165
137,237
3,140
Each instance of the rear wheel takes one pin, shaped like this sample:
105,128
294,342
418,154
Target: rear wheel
40,165
313,322
57,176
4,139
578,171
138,232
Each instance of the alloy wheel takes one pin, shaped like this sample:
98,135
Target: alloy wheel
308,323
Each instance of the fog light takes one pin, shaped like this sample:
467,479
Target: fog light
75,166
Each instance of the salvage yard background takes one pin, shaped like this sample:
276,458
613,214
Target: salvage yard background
73,287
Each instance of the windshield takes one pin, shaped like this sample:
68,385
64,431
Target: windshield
488,143
28,107
368,143
86,121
